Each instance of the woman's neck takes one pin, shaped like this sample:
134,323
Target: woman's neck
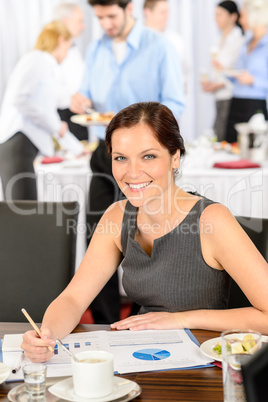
227,30
165,208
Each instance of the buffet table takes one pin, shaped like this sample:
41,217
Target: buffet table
243,191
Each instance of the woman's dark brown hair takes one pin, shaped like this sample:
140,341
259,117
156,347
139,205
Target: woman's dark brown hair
156,116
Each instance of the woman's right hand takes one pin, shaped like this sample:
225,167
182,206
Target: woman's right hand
36,348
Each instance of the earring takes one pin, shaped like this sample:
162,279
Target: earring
176,173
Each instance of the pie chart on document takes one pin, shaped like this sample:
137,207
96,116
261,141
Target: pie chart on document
151,354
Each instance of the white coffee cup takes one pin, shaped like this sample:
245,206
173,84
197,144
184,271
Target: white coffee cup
93,376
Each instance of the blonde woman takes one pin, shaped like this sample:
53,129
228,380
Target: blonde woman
29,115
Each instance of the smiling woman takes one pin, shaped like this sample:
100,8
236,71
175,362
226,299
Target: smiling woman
177,249
142,149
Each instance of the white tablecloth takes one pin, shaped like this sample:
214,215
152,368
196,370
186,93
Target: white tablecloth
67,181
243,191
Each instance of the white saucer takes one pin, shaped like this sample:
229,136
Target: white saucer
4,372
18,394
124,389
207,348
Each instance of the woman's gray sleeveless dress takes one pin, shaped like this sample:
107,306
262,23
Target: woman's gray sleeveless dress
175,277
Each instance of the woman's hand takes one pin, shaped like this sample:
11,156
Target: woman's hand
35,348
209,86
161,320
245,78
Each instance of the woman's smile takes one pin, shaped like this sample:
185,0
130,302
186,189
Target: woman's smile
139,186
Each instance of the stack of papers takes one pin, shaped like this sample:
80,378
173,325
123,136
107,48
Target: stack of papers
134,351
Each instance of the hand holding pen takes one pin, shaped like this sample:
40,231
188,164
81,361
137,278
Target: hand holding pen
35,327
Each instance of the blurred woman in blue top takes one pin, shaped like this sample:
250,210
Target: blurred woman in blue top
251,83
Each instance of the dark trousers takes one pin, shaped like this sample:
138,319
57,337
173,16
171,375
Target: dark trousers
222,112
16,168
103,192
241,110
78,131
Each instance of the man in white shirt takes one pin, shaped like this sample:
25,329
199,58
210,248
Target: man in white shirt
72,69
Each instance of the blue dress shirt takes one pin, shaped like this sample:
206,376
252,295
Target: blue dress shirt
150,71
256,63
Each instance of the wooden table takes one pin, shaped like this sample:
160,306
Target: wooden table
162,386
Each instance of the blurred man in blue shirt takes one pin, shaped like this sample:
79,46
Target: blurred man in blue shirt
129,64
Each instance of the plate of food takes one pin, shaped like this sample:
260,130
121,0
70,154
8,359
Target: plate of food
226,146
93,119
212,347
207,348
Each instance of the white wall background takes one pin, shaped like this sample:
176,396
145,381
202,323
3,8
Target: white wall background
22,20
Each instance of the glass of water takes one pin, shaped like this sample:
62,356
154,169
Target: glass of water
35,380
237,348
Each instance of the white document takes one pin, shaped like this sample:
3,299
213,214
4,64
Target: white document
133,351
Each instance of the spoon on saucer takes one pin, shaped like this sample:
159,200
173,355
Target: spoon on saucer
68,351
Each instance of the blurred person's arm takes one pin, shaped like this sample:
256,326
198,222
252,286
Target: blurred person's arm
172,87
63,129
209,86
79,103
246,78
82,99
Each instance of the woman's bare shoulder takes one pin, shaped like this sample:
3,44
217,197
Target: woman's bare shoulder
115,211
217,213
221,222
110,224
113,217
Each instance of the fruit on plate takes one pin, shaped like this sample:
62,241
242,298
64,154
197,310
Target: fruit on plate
248,342
244,346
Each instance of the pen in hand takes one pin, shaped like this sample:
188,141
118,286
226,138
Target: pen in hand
17,365
35,327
